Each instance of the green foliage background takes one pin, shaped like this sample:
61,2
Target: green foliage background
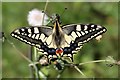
14,15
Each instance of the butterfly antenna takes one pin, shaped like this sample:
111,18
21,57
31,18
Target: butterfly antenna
63,12
47,14
51,18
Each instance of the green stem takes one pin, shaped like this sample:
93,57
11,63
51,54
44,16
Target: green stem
35,54
92,62
79,71
44,13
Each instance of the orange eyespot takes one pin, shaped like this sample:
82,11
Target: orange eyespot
59,51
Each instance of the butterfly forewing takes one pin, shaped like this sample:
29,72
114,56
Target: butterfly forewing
82,33
35,36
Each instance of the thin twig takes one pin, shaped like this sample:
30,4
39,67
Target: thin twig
35,67
43,75
96,61
19,51
44,11
35,54
79,71
36,70
31,58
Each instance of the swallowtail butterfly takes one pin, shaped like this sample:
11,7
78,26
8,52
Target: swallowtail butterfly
58,41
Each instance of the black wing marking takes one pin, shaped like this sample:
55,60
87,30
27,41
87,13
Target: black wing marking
69,28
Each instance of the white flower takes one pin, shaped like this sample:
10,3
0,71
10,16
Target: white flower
35,18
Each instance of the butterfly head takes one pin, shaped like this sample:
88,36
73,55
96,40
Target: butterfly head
56,17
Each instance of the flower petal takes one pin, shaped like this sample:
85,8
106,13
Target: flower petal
35,18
